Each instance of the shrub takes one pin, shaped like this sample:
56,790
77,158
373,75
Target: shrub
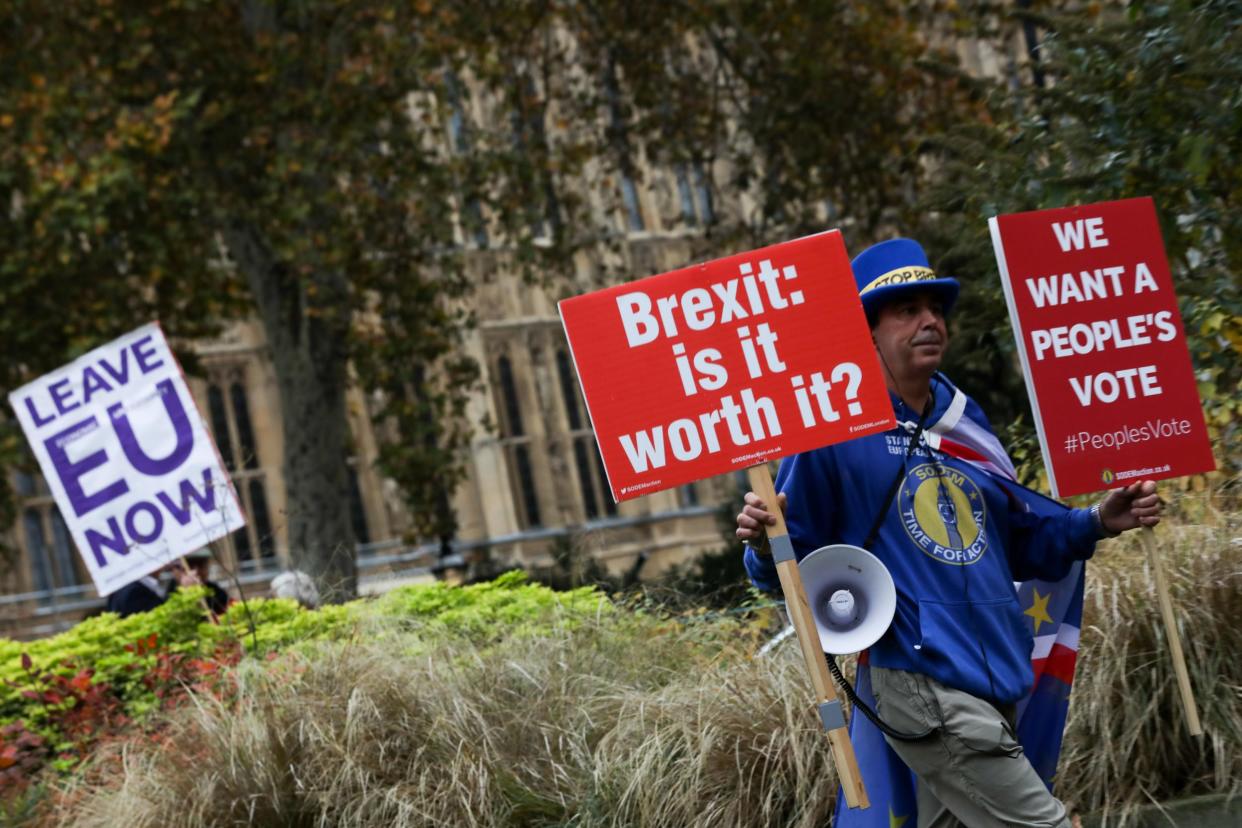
69,691
579,716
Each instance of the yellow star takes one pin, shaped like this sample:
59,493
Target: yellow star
1039,609
895,821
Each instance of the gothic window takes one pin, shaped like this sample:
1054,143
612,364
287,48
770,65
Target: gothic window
517,447
473,223
592,481
694,194
688,495
508,390
220,424
53,561
245,435
633,209
228,408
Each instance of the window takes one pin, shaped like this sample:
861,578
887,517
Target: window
473,223
592,481
688,495
54,563
228,408
633,210
517,447
694,194
526,120
619,138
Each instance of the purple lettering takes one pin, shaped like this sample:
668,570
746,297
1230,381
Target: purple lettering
157,522
122,375
39,420
115,542
60,394
142,356
206,500
91,383
140,460
71,473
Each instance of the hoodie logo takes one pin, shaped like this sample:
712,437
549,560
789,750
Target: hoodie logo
943,513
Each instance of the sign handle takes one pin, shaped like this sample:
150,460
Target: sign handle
1148,537
812,653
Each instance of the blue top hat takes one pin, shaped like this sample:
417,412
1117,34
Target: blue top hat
887,270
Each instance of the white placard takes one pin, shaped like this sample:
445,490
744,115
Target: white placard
128,458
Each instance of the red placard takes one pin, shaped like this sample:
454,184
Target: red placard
1102,346
727,364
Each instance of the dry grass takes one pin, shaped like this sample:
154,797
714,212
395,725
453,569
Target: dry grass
623,723
1127,742
634,721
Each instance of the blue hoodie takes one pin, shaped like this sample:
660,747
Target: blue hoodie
955,540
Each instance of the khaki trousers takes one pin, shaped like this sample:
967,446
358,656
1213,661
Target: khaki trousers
971,771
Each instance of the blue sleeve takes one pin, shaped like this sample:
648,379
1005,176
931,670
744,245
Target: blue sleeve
1045,543
806,480
762,570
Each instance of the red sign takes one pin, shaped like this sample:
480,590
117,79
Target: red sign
728,364
1102,346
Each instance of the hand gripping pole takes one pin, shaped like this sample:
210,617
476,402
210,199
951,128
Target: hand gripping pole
828,706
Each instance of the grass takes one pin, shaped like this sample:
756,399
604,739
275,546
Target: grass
1127,742
635,719
623,722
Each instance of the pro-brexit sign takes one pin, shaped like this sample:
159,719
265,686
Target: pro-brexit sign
725,365
127,457
1101,343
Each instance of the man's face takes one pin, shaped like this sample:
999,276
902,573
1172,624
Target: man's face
910,333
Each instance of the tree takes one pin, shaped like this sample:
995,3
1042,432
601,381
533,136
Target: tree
1143,98
334,168
147,142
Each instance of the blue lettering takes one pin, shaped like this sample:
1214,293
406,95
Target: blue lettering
206,499
121,375
155,467
71,473
91,383
60,395
39,420
143,355
157,522
115,542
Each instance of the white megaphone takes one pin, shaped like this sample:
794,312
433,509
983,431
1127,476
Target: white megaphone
851,594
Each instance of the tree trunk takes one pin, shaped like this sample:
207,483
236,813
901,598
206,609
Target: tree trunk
306,322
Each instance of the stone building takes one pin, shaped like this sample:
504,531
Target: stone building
535,484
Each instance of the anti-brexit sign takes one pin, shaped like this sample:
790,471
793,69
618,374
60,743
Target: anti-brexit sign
128,458
727,364
1101,343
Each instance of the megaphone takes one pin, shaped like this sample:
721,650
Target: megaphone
851,594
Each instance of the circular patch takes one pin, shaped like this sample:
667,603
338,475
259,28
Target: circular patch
943,513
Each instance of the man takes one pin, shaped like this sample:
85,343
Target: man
955,539
149,592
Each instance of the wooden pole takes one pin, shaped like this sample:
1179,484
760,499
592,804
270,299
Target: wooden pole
1148,537
808,638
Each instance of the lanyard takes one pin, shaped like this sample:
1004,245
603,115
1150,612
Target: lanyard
901,473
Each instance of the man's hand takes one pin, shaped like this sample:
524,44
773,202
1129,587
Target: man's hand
1136,505
754,519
